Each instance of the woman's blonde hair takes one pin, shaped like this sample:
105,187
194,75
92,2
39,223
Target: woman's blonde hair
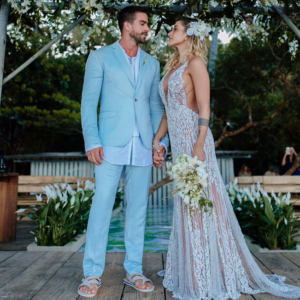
194,47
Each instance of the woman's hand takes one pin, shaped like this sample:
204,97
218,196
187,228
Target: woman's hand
199,152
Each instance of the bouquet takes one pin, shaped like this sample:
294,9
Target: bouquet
190,180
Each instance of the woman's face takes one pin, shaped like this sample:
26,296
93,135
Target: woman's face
178,35
245,169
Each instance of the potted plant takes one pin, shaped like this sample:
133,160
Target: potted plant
64,217
268,220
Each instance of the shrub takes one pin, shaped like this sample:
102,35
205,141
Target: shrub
268,220
65,214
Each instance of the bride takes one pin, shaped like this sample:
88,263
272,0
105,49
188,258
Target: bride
207,259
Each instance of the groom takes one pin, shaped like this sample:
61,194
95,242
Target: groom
126,79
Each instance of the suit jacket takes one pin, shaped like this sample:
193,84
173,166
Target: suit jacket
109,78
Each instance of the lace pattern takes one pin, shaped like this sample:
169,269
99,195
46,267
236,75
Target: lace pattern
209,258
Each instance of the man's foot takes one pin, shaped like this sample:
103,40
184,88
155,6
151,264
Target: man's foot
139,283
90,285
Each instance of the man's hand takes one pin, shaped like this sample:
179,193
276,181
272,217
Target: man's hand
94,155
159,156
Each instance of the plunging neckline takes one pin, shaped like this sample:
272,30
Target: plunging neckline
163,82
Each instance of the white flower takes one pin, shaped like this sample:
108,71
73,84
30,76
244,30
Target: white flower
239,198
89,185
63,185
72,200
186,199
288,197
57,205
39,198
50,192
64,197
70,190
213,3
285,221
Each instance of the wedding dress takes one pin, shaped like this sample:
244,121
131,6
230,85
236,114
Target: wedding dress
209,258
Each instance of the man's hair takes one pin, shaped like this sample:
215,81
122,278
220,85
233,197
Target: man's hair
127,14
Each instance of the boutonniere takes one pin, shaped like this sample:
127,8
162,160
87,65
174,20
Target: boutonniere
145,59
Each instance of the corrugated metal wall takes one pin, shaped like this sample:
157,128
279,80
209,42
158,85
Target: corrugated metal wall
80,168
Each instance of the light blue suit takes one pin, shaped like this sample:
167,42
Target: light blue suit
108,76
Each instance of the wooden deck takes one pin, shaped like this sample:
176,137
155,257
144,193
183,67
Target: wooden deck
56,275
23,237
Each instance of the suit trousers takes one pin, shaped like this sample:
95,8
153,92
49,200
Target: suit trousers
137,194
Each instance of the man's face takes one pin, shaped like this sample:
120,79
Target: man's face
139,28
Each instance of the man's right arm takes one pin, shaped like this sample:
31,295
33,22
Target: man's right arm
90,98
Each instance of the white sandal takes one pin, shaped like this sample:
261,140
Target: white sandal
131,282
87,282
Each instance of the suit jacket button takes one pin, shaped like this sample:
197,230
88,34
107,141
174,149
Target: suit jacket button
135,100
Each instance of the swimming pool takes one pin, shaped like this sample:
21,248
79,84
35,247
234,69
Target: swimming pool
157,232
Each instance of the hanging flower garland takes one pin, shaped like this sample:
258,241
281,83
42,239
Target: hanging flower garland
237,18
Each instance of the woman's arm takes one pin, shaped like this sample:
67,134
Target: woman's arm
284,159
160,134
162,130
201,83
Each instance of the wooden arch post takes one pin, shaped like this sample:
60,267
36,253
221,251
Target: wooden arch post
4,10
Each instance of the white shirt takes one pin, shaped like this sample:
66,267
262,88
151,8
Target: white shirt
134,153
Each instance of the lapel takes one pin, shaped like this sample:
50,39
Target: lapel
142,68
122,59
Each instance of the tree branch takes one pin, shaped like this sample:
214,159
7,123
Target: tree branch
250,124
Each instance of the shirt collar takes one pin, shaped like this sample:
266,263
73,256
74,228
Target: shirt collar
135,57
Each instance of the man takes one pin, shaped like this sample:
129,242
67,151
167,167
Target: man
126,78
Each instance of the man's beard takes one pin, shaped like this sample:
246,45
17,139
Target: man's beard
138,37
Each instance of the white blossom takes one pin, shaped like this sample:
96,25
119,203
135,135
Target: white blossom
39,198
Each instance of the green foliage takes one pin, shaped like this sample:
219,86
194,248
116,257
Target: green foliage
269,221
247,72
42,103
65,214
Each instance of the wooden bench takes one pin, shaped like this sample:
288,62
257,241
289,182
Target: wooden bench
279,184
29,186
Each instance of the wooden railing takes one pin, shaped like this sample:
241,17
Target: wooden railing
29,186
279,184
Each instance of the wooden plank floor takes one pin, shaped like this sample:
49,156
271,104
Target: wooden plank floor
23,237
56,275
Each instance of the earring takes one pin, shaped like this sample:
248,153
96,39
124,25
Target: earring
185,39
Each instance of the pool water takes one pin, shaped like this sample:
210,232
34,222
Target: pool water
157,232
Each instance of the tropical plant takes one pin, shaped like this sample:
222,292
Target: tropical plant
65,214
269,220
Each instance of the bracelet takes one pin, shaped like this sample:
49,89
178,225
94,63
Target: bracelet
155,144
203,122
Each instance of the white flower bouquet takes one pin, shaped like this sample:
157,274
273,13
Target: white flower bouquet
190,179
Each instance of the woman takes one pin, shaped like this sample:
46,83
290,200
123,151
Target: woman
245,171
287,162
208,259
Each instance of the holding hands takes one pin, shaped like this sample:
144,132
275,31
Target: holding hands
159,152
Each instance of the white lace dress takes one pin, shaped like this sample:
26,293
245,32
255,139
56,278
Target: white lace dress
210,259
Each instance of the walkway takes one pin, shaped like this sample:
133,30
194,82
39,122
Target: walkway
56,275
